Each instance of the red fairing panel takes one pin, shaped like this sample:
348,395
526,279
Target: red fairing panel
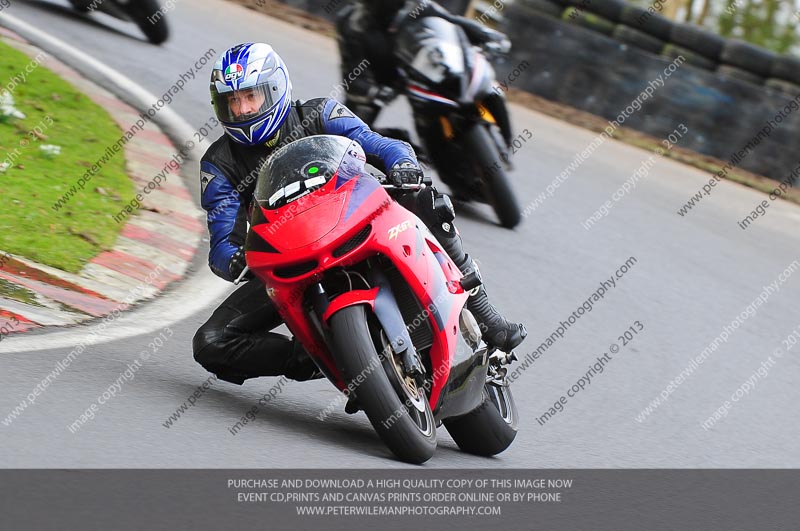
308,230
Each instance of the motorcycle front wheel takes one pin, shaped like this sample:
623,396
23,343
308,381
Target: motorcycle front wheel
81,6
497,185
397,408
147,15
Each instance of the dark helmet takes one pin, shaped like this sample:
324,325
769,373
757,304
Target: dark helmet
383,11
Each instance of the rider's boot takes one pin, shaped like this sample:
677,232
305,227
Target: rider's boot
496,330
300,366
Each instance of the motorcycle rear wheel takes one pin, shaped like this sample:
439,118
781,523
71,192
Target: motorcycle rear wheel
497,185
489,428
405,423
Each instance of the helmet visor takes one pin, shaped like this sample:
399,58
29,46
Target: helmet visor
245,104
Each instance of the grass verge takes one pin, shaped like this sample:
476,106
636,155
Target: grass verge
56,114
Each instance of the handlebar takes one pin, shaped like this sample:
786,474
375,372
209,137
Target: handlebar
405,187
381,177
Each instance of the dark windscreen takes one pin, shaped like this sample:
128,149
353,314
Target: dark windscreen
299,168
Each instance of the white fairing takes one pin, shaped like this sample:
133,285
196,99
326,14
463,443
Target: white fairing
437,57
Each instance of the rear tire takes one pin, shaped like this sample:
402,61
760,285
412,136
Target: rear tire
359,361
497,186
140,11
485,430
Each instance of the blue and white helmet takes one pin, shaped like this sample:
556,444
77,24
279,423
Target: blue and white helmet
251,92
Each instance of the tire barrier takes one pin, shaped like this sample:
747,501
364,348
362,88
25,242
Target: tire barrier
588,20
722,105
546,7
698,40
646,21
696,60
639,39
749,57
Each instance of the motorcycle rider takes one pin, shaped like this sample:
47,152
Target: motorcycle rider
251,93
366,30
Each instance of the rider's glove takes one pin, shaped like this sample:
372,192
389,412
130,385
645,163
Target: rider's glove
237,265
502,46
495,41
405,173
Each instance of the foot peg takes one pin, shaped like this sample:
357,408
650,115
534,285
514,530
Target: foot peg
503,358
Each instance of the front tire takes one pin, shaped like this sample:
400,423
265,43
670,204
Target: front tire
497,185
141,11
491,427
410,436
80,6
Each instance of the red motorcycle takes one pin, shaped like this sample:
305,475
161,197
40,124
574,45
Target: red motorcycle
369,292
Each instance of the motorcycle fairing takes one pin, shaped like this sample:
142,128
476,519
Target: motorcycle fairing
362,189
395,234
463,391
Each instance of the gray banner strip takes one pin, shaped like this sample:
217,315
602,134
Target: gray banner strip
418,499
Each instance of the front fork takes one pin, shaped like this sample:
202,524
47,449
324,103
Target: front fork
495,105
491,110
384,306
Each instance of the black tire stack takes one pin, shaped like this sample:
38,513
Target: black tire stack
638,39
701,48
643,20
746,62
649,31
544,7
597,15
784,75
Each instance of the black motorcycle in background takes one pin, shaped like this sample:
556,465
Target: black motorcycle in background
146,14
449,83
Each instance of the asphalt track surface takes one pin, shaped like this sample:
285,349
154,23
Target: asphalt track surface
693,276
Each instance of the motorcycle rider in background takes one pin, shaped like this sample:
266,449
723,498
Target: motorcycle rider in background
366,30
251,93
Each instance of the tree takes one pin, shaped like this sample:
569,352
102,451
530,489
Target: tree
769,23
772,24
